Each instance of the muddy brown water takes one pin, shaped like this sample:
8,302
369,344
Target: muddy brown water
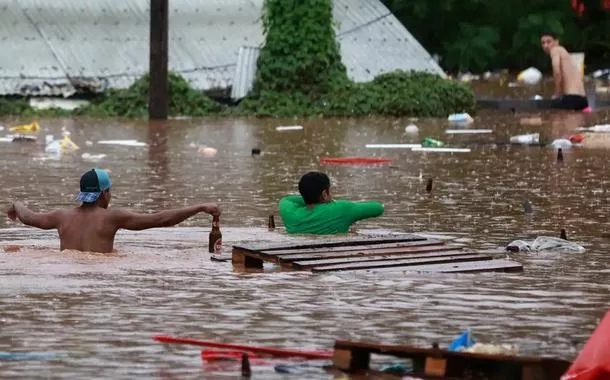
100,311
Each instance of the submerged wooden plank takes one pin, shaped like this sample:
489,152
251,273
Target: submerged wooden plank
401,262
351,248
331,242
349,260
367,253
459,364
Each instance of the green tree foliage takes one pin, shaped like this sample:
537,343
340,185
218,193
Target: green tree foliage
300,73
477,35
301,52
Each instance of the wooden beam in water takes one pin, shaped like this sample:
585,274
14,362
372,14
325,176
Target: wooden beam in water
158,90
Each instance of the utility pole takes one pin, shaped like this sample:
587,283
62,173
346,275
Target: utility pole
157,93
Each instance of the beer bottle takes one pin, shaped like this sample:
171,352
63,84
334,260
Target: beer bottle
215,236
271,224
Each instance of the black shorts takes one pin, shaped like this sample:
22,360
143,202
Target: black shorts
570,102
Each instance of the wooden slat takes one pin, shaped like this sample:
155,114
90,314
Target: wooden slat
348,260
401,263
499,265
419,243
333,242
370,252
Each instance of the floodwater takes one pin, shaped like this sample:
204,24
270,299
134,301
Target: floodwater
100,311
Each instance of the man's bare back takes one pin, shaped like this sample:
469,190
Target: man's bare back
93,226
565,67
569,93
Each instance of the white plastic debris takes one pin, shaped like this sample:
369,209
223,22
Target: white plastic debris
547,244
441,150
537,97
562,144
596,128
460,118
466,131
89,143
394,146
530,76
289,128
411,129
122,142
92,157
528,139
207,151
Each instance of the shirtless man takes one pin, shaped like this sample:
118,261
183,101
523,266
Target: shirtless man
569,87
92,226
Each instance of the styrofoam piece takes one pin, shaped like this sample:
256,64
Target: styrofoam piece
394,146
122,142
442,150
289,128
467,131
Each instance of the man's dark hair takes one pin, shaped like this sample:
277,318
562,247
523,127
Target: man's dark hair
312,185
550,34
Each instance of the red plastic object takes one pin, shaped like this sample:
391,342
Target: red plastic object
577,138
279,352
354,160
587,110
213,355
593,361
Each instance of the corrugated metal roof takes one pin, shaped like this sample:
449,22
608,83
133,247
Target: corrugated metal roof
245,72
47,45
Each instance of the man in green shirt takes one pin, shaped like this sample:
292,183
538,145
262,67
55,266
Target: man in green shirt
315,211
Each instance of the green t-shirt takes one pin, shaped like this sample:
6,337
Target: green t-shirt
325,218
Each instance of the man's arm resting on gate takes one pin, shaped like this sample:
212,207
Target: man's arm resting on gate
136,221
43,220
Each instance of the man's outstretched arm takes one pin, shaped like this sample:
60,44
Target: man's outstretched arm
137,221
44,220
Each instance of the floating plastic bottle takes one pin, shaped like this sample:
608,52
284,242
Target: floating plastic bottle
430,142
528,139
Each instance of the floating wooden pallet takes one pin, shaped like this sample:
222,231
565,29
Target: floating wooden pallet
406,252
437,363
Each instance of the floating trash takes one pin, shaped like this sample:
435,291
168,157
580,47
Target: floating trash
604,128
545,243
411,129
562,144
460,118
467,131
207,151
92,157
429,141
441,150
530,76
289,128
528,139
393,146
122,142
33,127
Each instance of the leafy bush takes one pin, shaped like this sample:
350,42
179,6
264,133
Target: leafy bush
133,101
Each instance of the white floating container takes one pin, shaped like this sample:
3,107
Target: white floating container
394,146
466,131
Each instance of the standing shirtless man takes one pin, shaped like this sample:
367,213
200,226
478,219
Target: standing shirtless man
92,226
569,87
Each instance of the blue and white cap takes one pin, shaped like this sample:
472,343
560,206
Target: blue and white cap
92,184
